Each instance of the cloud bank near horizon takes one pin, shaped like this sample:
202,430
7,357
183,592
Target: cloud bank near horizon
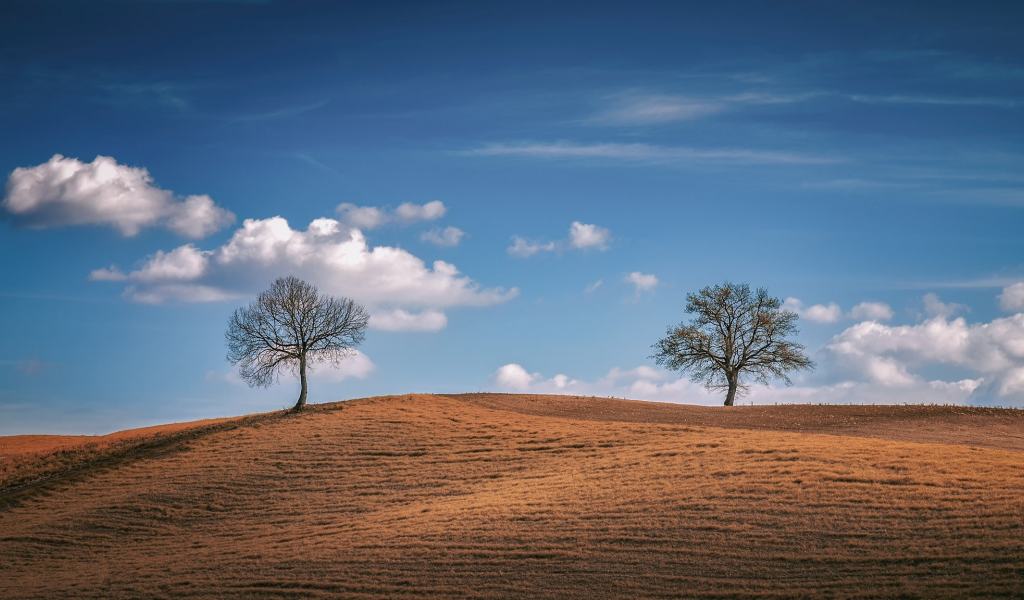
868,362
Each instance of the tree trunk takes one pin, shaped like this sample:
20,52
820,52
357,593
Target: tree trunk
733,384
302,379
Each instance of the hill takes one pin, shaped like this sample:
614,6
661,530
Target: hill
501,496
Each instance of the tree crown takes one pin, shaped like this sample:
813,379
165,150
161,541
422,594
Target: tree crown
735,336
289,324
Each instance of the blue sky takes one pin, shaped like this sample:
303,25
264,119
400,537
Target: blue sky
576,168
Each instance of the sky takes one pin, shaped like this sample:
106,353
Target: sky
522,194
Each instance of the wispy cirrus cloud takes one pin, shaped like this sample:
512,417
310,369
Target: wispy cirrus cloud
655,109
638,108
936,100
281,113
646,153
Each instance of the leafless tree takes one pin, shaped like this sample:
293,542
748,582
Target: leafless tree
289,326
736,336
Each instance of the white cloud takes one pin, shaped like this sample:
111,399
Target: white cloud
831,312
860,392
184,263
641,383
336,259
641,281
450,236
524,248
362,217
358,365
371,217
655,109
646,153
869,362
886,355
639,108
649,383
411,213
197,217
871,311
937,308
515,377
400,320
66,191
1012,298
584,236
823,314
590,289
818,313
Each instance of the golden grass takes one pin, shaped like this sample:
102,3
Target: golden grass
429,496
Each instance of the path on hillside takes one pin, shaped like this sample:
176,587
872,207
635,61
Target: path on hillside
959,425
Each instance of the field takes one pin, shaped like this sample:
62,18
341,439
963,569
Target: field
502,496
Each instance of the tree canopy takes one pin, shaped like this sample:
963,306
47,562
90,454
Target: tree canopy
289,326
735,337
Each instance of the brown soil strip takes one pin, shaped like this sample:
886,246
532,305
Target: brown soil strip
958,425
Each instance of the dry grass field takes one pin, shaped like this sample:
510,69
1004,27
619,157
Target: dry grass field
498,496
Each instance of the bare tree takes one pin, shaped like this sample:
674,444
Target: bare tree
289,326
735,336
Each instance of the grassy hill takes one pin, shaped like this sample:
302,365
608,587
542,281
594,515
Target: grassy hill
501,496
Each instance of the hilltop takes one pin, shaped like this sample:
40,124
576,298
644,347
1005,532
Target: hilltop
505,496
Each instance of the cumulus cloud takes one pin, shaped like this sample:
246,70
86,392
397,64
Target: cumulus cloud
514,377
362,217
582,236
1012,298
869,362
400,320
411,213
524,248
371,217
832,313
648,383
642,282
399,289
934,307
871,311
818,313
640,383
887,355
66,191
357,365
448,237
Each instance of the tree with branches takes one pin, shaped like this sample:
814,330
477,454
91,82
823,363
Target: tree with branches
290,326
736,336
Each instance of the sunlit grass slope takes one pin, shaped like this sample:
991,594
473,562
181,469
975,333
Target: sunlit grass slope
429,496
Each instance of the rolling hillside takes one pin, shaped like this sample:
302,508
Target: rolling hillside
500,496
